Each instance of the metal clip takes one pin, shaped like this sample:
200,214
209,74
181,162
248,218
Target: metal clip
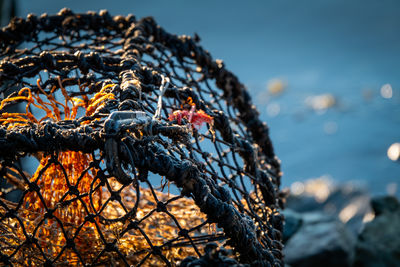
117,119
113,124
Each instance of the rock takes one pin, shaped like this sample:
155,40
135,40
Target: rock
293,221
349,202
379,242
303,203
385,204
320,241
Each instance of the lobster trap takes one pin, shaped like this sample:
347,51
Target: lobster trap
123,144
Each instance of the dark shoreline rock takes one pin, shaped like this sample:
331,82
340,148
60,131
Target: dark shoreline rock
348,202
379,242
320,237
344,227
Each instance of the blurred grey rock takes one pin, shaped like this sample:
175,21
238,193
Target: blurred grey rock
379,242
321,240
349,202
384,204
293,222
303,203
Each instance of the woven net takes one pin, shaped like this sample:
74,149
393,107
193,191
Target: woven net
122,144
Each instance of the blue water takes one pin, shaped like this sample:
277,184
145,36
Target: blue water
344,48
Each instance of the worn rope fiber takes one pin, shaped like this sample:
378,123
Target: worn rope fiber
159,84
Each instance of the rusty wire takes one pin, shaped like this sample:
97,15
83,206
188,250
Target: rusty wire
115,181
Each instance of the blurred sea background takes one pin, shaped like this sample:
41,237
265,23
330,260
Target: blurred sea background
325,75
